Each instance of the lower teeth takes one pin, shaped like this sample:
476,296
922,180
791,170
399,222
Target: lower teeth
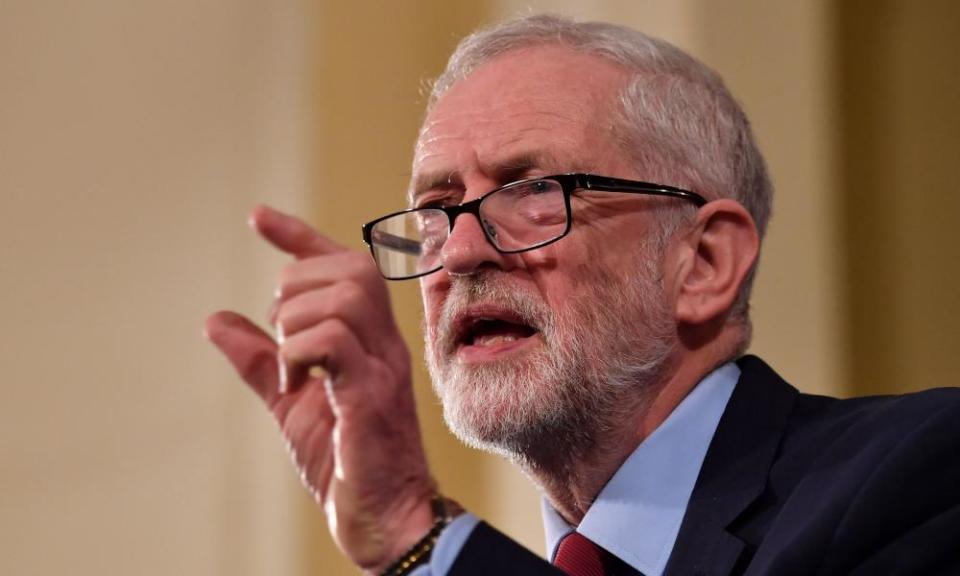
491,340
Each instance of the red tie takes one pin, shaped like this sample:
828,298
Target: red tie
578,556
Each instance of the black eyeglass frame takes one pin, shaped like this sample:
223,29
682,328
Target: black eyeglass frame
569,183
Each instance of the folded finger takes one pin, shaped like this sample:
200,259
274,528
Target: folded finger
346,301
316,272
334,347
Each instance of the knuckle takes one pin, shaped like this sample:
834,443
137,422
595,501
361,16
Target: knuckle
372,274
362,266
288,274
284,316
335,329
351,294
315,342
286,353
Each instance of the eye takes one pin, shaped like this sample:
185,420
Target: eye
433,203
527,189
437,201
432,244
490,229
539,186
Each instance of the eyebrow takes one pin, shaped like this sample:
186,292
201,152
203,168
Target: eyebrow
510,169
436,180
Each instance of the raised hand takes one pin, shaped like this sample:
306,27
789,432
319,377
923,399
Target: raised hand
337,380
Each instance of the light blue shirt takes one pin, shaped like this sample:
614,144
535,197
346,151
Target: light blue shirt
637,515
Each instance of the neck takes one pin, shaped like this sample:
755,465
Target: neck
573,483
571,477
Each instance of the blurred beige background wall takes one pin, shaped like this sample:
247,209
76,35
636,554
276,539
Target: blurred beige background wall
135,136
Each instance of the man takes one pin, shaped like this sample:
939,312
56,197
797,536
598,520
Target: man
588,208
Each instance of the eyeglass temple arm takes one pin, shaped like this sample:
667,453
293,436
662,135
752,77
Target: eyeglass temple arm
604,184
397,243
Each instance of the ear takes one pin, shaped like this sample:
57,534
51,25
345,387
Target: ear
715,259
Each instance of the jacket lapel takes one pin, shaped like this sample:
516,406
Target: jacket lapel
734,472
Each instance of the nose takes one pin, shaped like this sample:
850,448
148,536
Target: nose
467,248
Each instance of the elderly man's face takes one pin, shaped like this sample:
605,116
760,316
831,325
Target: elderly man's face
527,347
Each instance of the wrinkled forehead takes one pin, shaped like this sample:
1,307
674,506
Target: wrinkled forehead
487,124
549,96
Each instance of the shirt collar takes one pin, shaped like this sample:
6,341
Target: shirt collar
638,513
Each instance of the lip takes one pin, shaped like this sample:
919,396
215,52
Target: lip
470,353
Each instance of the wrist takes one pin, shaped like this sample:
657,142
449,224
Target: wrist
416,545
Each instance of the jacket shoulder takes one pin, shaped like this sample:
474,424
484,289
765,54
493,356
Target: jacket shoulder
873,420
861,480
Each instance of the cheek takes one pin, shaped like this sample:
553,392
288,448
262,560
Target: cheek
588,269
433,291
617,247
560,271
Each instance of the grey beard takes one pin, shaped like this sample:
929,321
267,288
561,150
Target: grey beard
593,375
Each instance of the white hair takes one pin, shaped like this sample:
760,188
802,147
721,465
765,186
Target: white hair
677,119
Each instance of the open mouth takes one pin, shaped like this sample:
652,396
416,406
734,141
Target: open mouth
489,330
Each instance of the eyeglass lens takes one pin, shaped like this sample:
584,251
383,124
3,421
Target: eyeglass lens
514,218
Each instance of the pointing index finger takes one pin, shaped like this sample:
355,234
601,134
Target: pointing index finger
290,234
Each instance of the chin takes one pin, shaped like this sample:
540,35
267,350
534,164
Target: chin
504,407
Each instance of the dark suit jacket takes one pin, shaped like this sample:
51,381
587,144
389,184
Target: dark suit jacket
801,484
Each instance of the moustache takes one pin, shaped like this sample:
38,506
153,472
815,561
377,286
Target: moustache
466,292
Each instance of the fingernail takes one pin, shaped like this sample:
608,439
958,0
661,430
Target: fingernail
256,214
273,312
280,335
283,375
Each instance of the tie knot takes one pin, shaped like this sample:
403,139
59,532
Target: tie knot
577,555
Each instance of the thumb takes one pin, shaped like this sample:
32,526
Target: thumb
250,350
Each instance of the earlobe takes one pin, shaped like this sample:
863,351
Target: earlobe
722,249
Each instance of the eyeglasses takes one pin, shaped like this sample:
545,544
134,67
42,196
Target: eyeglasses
520,216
